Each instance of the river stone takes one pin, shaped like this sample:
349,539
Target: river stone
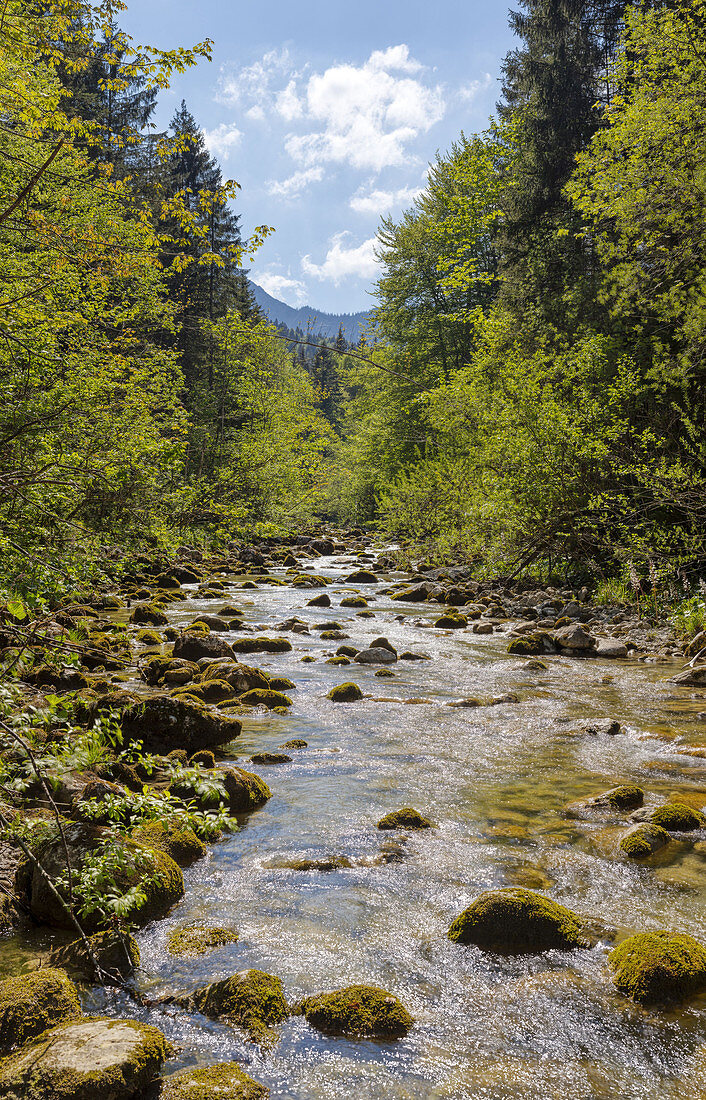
241,678
416,593
225,1081
616,800
149,614
659,967
192,646
691,677
263,758
245,790
117,954
345,693
251,1000
515,921
610,648
361,576
377,655
163,723
359,1011
643,841
676,817
31,1003
190,941
575,639
324,600
213,622
406,818
162,891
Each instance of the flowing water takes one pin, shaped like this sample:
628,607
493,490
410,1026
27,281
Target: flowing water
495,779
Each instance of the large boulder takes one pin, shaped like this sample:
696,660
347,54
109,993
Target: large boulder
241,678
691,677
659,967
676,817
117,954
260,644
251,1000
224,1081
149,614
163,723
359,1011
161,881
239,790
575,640
181,843
361,576
192,646
516,921
85,1060
31,1003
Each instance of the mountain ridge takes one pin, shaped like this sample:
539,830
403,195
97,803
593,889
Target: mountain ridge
318,322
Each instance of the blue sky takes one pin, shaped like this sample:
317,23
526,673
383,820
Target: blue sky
328,114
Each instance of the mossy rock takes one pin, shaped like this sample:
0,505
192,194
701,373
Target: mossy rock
282,683
659,967
529,646
361,576
168,670
627,797
323,600
406,818
225,1081
150,614
211,691
385,674
676,817
190,941
31,1003
338,662
308,660
193,645
117,954
516,921
246,791
264,697
451,622
240,677
270,758
181,844
295,743
84,1060
359,1011
203,759
259,644
354,601
163,723
643,841
149,637
345,693
251,1000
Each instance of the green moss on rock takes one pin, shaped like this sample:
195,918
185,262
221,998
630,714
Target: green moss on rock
117,954
659,967
345,693
85,1060
246,791
627,797
676,817
193,940
270,758
31,1003
643,841
517,921
149,613
226,1081
149,637
406,818
263,697
252,1000
259,644
359,1011
181,844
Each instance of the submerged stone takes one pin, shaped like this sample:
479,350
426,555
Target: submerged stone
193,940
116,953
270,758
225,1081
516,921
659,967
359,1011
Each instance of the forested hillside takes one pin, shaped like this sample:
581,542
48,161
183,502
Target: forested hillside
532,395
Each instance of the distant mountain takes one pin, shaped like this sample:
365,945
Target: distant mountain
306,317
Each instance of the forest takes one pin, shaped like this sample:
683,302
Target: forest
530,396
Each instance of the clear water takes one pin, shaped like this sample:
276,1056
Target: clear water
496,780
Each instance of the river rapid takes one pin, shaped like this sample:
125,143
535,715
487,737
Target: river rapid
495,780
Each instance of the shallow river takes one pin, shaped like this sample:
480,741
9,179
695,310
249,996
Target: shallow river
495,779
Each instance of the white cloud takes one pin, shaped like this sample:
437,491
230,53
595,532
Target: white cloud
222,140
256,114
342,262
468,92
288,104
367,115
379,202
290,188
291,291
252,83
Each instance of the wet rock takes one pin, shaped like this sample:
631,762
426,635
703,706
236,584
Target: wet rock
295,743
84,1060
691,677
181,844
260,644
241,678
163,723
574,639
451,622
532,645
406,818
150,614
31,1003
463,704
416,593
251,1000
377,655
354,601
210,691
270,758
265,697
192,646
158,874
192,940
117,954
333,635
533,666
616,800
607,727
516,921
149,637
359,1011
656,968
322,865
361,576
324,600
643,841
213,622
483,628
409,656
385,674
676,817
345,693
224,1081
339,662
168,670
246,791
611,649
346,651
